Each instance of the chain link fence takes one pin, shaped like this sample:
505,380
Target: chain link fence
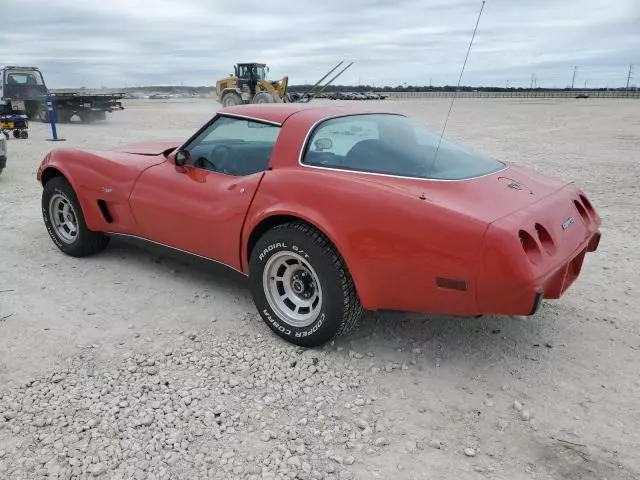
516,94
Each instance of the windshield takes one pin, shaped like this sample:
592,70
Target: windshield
394,145
258,72
24,78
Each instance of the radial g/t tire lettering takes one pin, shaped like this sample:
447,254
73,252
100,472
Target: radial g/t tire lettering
63,218
292,266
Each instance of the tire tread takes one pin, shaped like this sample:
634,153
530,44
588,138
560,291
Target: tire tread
353,310
93,242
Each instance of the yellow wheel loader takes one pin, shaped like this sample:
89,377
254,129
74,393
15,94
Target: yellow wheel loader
249,84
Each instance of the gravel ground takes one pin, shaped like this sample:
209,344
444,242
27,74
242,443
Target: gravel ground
142,363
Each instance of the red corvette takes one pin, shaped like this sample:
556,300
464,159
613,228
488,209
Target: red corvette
331,211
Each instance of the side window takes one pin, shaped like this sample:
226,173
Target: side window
234,146
334,138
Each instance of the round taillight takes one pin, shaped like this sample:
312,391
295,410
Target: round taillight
587,205
582,211
530,247
545,239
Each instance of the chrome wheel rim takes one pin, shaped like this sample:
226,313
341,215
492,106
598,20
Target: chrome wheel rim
63,218
292,289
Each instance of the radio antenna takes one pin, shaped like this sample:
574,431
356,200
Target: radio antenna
455,95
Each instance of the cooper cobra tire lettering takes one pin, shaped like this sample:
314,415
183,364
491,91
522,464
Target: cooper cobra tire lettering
53,236
313,329
276,324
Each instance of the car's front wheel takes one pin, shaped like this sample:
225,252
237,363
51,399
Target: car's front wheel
301,285
65,222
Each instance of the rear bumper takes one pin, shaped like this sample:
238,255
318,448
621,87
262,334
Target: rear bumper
558,281
519,271
518,299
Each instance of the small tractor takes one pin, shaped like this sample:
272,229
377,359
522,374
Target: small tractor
249,84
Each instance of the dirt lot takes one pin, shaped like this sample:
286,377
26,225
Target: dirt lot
141,363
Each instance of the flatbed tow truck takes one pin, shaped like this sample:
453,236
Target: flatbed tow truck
24,92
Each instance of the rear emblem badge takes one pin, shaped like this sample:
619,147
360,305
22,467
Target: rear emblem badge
515,184
568,222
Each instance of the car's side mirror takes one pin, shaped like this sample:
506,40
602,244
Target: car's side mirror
182,157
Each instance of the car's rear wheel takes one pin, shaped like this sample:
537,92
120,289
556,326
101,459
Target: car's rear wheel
62,215
301,285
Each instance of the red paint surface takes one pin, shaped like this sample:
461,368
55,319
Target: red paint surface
394,242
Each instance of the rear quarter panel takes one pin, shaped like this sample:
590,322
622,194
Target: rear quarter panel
108,176
394,243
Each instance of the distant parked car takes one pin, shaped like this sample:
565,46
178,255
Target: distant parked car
582,95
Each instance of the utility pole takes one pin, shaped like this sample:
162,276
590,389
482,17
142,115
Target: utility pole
629,76
573,81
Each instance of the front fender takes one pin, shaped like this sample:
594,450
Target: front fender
105,176
53,165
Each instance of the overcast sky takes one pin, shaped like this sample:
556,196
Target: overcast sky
119,43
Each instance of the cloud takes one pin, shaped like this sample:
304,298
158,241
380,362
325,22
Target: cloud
135,42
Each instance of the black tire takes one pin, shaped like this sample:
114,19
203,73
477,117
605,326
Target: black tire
86,117
263,97
64,115
85,242
92,116
338,311
230,99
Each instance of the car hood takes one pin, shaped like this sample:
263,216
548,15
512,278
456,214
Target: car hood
149,147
